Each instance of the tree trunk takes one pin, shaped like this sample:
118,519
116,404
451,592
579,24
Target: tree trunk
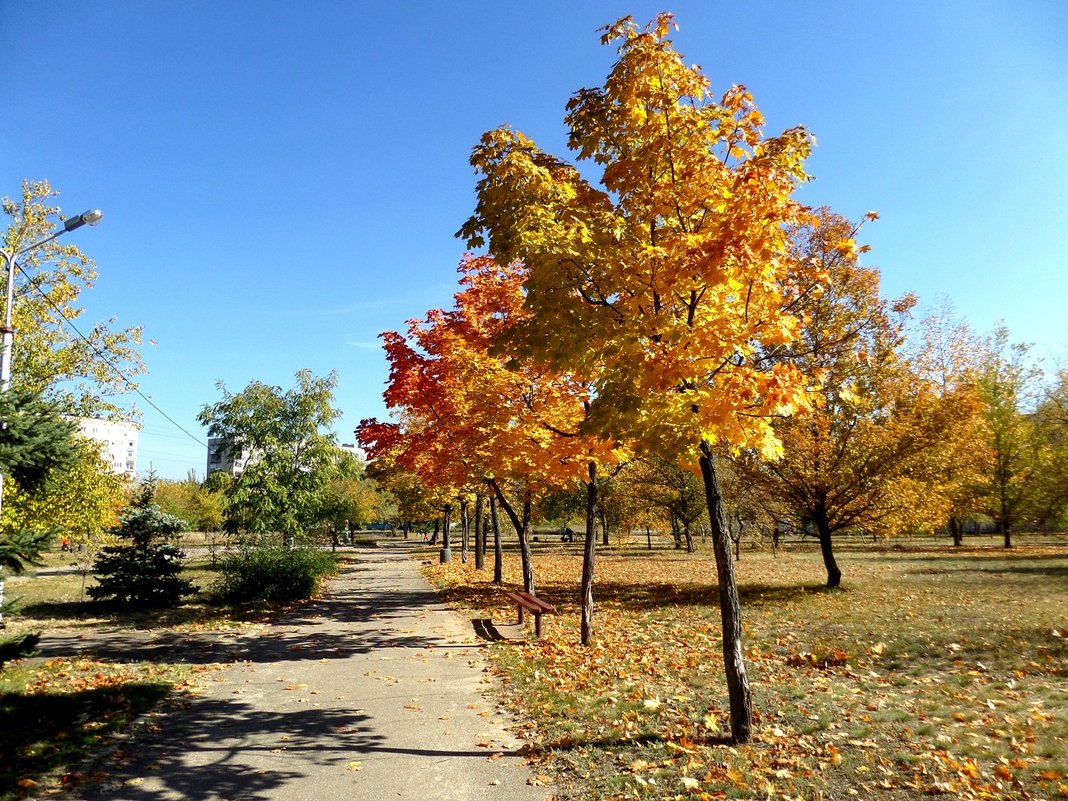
498,557
823,528
688,536
522,527
648,538
437,528
675,535
465,530
604,528
956,530
446,528
480,533
1006,534
588,556
741,702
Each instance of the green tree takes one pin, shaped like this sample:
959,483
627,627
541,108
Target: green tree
193,501
35,442
1052,421
291,453
143,573
1008,390
350,498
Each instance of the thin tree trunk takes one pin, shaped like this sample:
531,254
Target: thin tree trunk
480,533
740,698
588,556
688,536
498,557
446,527
437,528
823,528
604,528
675,535
648,538
465,530
522,527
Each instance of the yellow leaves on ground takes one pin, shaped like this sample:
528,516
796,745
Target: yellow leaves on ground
873,690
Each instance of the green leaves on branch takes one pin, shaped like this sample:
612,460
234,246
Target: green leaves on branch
283,435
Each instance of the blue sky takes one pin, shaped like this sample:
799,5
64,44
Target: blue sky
282,180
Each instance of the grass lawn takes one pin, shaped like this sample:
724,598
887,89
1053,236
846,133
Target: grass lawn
933,671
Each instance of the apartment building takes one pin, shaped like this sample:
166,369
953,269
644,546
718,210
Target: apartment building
221,461
119,440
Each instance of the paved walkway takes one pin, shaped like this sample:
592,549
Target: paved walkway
373,693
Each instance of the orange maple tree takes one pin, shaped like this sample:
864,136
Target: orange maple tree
468,412
666,283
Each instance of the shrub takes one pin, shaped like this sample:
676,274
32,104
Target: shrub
273,574
143,573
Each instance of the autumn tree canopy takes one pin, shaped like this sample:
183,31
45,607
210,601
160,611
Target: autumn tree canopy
48,286
667,276
865,456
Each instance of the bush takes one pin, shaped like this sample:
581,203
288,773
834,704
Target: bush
273,574
143,573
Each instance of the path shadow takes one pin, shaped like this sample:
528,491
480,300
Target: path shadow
300,634
219,750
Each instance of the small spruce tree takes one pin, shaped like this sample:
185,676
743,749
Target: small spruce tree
143,573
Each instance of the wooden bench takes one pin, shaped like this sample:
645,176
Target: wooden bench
538,607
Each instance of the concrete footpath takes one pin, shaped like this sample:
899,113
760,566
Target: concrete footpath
373,693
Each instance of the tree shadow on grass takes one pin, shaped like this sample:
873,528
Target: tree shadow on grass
651,596
46,733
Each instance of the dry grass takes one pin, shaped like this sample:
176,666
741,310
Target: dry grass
934,671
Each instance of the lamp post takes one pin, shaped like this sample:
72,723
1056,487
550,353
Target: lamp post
7,332
91,217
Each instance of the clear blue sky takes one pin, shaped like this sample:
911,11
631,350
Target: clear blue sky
282,180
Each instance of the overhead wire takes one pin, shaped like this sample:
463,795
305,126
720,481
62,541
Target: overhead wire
100,355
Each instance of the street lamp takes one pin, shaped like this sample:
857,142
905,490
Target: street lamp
91,217
7,332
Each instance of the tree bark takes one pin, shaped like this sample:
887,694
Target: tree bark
823,528
522,526
740,698
437,527
480,533
956,530
588,556
498,557
604,528
446,527
465,530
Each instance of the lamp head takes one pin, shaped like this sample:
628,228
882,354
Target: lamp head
91,217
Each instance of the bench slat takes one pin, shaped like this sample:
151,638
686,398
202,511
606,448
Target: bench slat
535,605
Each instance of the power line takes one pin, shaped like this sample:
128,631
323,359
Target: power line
105,359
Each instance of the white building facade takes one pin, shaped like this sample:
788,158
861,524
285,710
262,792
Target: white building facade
220,461
119,441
